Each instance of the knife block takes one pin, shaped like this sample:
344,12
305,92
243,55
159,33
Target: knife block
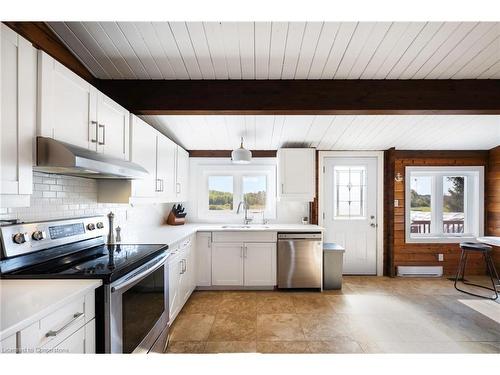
172,220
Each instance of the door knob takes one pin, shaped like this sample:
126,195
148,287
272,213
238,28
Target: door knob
373,225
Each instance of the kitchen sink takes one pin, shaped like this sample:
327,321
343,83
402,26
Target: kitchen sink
245,227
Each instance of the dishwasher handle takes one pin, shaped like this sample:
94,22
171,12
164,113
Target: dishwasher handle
300,236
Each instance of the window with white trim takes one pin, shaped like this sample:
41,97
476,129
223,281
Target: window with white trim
226,186
444,204
350,192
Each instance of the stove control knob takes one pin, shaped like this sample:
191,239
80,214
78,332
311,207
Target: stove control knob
19,238
38,235
90,226
100,225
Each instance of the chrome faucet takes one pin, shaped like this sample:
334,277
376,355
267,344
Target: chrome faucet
247,219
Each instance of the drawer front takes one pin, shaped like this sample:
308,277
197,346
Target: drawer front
74,344
174,250
62,323
241,236
186,242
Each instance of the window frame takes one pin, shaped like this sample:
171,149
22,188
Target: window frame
362,200
473,203
237,172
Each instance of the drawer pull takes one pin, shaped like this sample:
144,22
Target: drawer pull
55,333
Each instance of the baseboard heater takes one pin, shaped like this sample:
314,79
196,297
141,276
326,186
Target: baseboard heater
420,271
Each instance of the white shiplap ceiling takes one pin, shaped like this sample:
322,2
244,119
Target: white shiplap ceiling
412,132
285,50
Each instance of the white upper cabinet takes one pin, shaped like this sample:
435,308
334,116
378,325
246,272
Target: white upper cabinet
67,105
143,152
165,170
73,111
296,174
18,83
112,128
159,156
182,173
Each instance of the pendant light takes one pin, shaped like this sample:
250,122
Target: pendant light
241,155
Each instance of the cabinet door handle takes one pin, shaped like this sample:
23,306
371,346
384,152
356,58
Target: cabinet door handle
178,187
161,184
282,188
182,266
94,140
157,187
209,243
242,252
103,127
245,250
55,333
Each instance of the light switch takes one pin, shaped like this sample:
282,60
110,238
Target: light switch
396,202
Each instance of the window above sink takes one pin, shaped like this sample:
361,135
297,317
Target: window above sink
222,188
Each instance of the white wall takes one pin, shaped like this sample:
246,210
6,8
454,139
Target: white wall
60,197
286,212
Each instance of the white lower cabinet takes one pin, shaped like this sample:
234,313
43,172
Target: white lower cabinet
203,259
259,264
70,329
243,264
181,275
73,344
227,264
174,276
8,345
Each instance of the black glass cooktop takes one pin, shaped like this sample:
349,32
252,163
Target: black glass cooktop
102,262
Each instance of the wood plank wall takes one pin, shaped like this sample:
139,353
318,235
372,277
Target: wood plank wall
493,200
313,206
422,254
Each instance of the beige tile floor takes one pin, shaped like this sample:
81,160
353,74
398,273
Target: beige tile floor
369,315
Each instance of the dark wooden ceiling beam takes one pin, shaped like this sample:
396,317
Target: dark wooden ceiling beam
42,37
280,97
292,97
227,153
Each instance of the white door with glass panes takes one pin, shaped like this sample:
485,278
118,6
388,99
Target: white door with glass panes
350,211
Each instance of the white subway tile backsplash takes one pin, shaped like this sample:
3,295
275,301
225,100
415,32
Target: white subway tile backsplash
41,187
59,197
49,181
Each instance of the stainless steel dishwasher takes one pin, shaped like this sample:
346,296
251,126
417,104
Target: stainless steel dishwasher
300,260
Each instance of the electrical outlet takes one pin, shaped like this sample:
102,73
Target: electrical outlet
396,202
440,257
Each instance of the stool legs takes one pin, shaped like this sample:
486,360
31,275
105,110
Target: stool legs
460,275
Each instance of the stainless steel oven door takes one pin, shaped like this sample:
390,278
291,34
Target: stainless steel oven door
137,308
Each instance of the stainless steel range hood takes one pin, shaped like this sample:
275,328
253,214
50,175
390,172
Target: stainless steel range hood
63,158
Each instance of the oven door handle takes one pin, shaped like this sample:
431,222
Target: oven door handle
151,266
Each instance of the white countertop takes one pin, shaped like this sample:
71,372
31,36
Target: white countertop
490,240
168,234
23,302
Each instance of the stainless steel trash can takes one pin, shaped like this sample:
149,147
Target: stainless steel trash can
333,255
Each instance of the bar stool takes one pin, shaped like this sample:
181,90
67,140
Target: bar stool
486,251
